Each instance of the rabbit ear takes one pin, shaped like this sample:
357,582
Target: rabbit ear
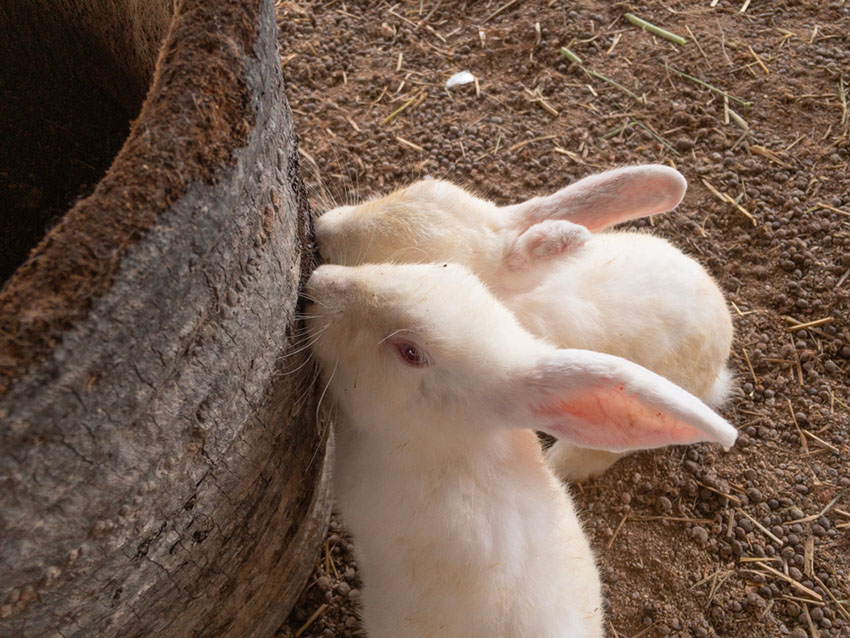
605,199
601,401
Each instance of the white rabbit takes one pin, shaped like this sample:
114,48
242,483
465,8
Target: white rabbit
624,293
460,528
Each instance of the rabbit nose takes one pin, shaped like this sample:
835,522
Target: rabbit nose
331,285
322,228
328,229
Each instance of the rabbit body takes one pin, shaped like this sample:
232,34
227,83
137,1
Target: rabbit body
482,543
460,528
628,294
677,324
636,296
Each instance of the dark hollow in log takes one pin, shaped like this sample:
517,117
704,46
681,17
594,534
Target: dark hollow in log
73,73
161,470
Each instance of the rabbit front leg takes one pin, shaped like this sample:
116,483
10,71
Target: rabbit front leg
576,464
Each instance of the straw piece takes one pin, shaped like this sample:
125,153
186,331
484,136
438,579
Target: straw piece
400,109
743,103
662,33
810,324
759,60
803,443
764,530
726,198
529,141
767,153
409,144
311,619
572,57
614,83
657,137
841,608
833,209
792,582
814,517
616,531
504,7
738,119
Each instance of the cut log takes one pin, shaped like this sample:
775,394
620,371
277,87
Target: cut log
161,466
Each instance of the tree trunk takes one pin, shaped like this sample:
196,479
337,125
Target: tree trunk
162,472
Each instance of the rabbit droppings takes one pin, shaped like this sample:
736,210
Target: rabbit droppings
624,293
460,528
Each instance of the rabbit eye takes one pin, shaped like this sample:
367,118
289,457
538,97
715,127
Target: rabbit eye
411,354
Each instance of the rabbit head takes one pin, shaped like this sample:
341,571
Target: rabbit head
509,246
397,345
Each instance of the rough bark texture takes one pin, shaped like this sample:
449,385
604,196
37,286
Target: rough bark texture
161,472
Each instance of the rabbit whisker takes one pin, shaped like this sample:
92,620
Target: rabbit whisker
325,390
306,345
311,300
307,361
392,334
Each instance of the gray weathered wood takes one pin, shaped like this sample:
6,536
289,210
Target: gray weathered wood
162,472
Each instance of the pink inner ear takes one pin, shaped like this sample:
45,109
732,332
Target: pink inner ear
608,418
599,201
633,199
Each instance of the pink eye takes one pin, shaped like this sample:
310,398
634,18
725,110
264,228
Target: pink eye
411,354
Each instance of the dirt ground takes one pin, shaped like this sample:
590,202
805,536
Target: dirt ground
690,541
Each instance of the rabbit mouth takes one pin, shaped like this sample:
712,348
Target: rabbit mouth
331,287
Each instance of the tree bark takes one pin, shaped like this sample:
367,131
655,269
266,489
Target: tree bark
162,471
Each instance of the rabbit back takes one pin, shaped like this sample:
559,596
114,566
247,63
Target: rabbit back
638,297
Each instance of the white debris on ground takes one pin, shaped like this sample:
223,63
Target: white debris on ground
464,77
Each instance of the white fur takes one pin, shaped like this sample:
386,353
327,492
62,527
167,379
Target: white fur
623,293
460,528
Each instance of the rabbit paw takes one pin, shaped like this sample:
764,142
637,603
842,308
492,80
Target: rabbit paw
547,240
576,464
